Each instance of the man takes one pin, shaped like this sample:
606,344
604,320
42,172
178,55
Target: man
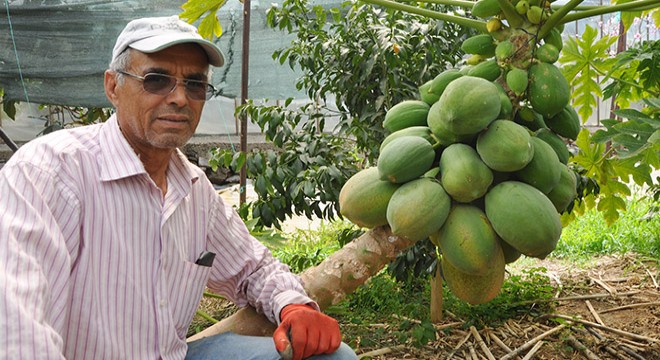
108,235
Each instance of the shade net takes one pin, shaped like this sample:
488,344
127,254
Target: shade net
55,51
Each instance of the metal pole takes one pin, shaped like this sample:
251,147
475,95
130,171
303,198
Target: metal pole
245,63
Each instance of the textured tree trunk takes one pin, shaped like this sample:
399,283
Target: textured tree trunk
327,283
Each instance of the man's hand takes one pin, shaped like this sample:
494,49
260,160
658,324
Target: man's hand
307,331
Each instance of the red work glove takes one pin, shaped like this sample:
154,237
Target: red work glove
310,332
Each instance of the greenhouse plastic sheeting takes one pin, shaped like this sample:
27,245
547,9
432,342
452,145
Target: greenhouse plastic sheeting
55,51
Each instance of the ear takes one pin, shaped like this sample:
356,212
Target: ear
110,85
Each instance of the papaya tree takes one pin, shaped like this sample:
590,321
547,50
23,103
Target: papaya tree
508,94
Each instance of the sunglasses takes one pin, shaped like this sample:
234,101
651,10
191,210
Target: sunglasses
161,84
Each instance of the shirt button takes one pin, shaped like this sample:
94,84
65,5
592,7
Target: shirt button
163,303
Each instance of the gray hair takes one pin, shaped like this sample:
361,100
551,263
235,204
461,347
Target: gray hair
120,63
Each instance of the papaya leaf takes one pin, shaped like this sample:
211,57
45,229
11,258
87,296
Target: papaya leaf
193,10
609,206
210,26
584,59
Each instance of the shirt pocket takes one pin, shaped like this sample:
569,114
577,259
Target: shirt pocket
187,287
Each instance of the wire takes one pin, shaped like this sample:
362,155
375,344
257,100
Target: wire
18,63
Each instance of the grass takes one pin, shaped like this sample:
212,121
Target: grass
637,230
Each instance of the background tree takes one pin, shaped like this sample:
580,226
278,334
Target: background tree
355,63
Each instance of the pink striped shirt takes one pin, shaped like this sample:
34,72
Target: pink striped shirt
96,264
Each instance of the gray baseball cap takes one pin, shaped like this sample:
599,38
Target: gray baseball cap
153,34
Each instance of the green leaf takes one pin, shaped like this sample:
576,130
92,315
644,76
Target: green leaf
210,26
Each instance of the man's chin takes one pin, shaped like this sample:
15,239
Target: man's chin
168,141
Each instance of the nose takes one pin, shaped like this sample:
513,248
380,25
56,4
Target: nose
178,94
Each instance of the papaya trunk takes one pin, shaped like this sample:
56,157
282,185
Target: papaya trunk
436,296
327,283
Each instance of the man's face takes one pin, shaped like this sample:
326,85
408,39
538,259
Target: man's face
150,121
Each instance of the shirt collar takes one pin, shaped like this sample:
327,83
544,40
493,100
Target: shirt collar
119,160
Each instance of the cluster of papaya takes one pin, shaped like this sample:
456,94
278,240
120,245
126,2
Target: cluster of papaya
478,163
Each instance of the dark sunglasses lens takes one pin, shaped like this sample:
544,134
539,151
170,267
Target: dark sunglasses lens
158,84
198,90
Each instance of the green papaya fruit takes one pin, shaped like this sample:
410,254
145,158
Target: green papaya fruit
566,123
554,38
543,171
524,218
425,95
565,192
440,82
555,142
405,114
548,91
486,8
516,80
505,146
421,131
504,50
466,107
481,44
464,175
405,158
530,119
488,70
506,108
547,53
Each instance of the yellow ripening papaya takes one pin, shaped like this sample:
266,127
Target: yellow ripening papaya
475,289
364,198
418,208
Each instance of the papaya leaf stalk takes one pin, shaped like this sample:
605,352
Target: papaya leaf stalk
514,19
459,20
638,5
557,16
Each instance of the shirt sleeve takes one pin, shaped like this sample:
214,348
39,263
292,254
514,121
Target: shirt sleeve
34,261
245,271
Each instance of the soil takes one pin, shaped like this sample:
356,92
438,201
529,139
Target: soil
620,295
614,301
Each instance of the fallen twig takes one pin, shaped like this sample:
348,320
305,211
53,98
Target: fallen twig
458,346
603,327
602,341
535,348
631,352
531,343
594,313
473,353
603,285
577,297
382,351
481,343
631,306
576,344
500,343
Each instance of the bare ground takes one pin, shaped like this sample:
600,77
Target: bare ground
607,310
